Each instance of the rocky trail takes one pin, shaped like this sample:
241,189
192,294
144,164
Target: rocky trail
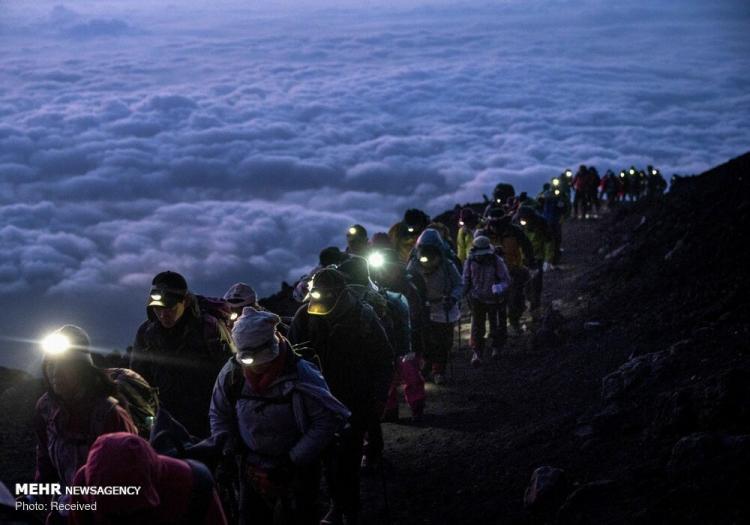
630,406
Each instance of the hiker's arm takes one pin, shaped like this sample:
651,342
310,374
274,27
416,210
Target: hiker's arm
323,424
379,352
221,414
45,470
526,247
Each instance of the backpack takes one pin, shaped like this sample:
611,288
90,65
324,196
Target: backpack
141,399
215,307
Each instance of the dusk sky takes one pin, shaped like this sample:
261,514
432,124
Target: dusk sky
231,142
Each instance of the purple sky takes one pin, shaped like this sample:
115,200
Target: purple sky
232,143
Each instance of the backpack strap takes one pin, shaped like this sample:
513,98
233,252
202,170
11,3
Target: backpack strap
202,494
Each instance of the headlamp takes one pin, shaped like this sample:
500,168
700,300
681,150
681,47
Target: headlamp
352,231
460,223
654,172
424,259
410,229
156,296
499,201
632,172
316,295
555,181
376,260
55,344
245,359
233,316
568,173
557,192
622,174
523,222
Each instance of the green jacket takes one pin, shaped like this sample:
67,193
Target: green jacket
463,243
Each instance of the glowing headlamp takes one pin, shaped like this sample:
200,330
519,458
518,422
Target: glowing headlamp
555,181
352,231
523,222
499,201
376,260
654,172
55,344
557,192
156,296
316,295
245,359
233,316
410,229
632,172
460,223
568,173
424,259
622,174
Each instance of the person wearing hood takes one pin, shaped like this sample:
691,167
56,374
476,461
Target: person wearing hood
356,360
486,282
404,234
443,292
180,349
79,405
282,416
514,246
170,491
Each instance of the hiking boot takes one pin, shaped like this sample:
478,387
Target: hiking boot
476,361
438,379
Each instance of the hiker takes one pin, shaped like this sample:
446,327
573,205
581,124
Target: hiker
80,404
592,190
238,297
467,224
281,415
581,184
655,182
486,282
170,491
443,291
554,209
542,240
330,256
404,234
356,241
392,309
357,363
512,244
501,194
180,349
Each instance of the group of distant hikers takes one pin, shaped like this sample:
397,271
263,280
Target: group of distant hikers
230,413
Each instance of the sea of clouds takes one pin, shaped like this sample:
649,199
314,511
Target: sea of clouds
232,143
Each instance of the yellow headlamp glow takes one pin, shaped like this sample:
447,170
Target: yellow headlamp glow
234,316
555,181
423,259
352,231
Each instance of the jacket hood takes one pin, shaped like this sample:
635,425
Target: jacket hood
430,237
126,460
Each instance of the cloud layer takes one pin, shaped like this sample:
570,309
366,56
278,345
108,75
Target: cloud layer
232,144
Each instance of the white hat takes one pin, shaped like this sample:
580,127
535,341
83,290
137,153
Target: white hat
254,334
481,246
240,294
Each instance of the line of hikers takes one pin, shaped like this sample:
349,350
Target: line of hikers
228,412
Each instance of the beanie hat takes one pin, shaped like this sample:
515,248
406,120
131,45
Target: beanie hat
356,270
252,330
